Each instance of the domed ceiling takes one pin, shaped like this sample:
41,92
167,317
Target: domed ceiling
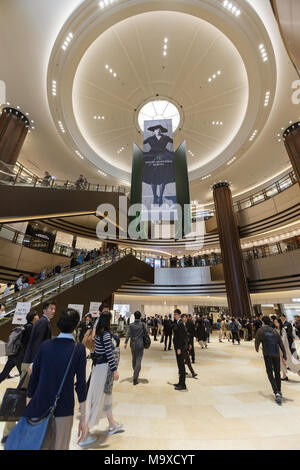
165,56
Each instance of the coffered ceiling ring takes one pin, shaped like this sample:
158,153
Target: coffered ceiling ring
89,21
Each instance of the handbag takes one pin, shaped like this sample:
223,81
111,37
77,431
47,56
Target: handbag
88,341
13,403
146,338
37,433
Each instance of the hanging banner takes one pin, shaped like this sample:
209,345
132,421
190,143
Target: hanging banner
21,311
158,176
77,307
94,309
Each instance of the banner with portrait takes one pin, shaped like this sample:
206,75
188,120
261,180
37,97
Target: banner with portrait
158,175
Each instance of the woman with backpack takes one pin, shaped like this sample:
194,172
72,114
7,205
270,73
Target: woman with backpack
104,372
17,343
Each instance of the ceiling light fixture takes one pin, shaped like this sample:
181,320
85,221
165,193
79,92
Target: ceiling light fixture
165,46
61,127
205,177
102,173
214,76
253,135
105,3
67,41
231,161
263,52
110,70
231,7
79,154
267,98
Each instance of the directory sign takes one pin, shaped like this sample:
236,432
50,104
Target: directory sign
94,309
21,311
77,307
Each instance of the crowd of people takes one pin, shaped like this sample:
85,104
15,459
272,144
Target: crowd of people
79,257
42,360
195,261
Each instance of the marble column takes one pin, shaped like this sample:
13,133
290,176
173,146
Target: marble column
234,272
14,126
291,138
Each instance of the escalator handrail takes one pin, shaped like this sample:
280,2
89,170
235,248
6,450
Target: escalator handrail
41,290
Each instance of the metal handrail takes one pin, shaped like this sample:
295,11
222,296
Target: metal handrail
17,238
18,175
257,198
46,289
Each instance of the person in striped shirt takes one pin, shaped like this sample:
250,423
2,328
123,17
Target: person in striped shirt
99,403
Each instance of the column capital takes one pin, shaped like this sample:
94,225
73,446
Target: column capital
18,113
291,128
221,184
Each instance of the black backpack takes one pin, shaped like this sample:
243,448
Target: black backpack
270,343
146,338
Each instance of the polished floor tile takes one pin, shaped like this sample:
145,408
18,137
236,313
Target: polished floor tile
229,406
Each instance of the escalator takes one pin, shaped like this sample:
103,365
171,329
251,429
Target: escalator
94,281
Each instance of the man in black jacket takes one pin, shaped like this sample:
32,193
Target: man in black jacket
40,332
180,341
271,342
167,330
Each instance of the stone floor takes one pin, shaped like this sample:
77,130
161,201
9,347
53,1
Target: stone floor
230,406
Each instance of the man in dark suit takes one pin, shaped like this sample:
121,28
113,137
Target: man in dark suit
136,332
40,332
168,330
180,341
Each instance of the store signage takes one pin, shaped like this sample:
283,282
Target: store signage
77,307
21,311
94,309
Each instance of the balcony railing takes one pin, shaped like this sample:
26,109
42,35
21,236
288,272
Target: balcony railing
18,175
263,195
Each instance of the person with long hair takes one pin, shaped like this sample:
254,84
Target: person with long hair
99,399
291,363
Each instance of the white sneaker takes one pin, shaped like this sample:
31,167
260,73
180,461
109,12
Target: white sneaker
90,439
117,428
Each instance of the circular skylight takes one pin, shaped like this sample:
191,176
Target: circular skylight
158,110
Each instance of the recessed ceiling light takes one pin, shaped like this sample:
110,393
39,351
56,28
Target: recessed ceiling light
214,76
232,8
